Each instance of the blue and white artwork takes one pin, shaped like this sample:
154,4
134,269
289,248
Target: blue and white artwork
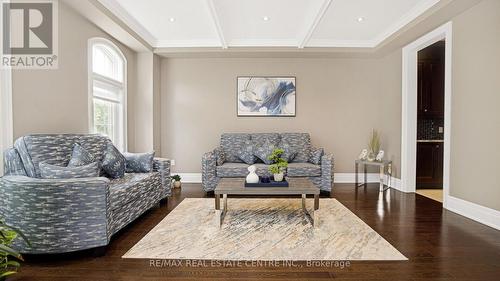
266,96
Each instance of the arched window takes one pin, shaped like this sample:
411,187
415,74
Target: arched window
107,91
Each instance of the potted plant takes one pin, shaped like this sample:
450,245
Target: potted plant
373,145
177,181
8,256
279,165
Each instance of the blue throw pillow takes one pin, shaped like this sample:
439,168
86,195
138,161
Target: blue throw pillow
265,150
247,154
113,163
316,154
49,171
80,156
139,162
289,152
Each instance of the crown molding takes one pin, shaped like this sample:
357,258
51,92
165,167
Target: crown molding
187,43
334,43
263,43
114,7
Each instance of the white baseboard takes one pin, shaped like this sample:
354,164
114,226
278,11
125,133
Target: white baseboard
481,214
189,177
339,178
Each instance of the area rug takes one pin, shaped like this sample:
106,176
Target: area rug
263,229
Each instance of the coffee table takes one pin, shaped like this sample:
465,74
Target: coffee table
236,186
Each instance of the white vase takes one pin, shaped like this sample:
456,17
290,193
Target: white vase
278,177
252,177
177,184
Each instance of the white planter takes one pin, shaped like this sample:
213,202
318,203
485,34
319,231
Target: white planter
278,177
252,177
177,184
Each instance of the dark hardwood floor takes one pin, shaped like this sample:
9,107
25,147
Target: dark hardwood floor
440,245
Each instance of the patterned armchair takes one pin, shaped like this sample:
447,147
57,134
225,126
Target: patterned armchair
65,215
309,162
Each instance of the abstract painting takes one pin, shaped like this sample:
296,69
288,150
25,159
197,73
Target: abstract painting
266,96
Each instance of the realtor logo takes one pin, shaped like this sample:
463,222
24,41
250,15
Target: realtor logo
29,33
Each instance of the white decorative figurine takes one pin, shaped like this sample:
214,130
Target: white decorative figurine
363,154
252,177
380,155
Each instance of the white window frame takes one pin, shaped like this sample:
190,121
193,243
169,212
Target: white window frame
110,82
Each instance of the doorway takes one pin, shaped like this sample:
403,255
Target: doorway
410,110
430,120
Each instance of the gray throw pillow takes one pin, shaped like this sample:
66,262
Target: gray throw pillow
316,154
263,151
139,162
247,154
289,153
80,156
113,163
49,171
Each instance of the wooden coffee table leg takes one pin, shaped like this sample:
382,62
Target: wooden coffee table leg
219,214
217,202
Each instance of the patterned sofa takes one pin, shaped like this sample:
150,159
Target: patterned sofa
65,215
223,161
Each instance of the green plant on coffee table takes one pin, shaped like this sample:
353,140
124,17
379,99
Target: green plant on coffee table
279,164
176,177
8,256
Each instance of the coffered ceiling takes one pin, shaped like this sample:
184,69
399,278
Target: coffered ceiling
266,23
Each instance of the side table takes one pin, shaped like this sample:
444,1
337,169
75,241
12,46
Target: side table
385,167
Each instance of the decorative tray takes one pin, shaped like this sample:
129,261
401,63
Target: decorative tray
271,183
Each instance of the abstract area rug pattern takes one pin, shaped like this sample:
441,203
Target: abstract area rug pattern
263,229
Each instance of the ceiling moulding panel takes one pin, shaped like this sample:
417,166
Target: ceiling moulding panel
217,25
124,16
314,23
304,39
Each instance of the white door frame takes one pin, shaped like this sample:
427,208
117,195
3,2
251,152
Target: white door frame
409,110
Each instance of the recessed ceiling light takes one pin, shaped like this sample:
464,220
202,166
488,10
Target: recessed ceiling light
360,19
265,18
171,19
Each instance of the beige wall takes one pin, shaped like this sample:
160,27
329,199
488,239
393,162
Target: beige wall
475,131
157,104
339,101
147,104
143,103
55,101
